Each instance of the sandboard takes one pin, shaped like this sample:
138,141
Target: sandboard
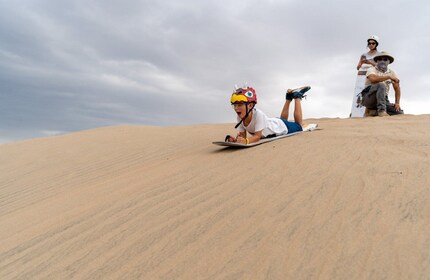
307,128
357,110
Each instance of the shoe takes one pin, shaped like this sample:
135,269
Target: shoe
297,93
382,114
370,113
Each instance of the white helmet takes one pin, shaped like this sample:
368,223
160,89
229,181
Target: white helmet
374,38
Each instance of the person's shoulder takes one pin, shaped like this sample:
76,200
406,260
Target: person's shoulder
371,70
259,114
373,54
369,56
391,71
258,111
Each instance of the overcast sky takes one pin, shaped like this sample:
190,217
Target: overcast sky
78,64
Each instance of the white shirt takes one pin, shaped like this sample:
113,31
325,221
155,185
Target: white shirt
365,66
373,70
260,122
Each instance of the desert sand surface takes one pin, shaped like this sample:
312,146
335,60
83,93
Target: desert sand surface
349,201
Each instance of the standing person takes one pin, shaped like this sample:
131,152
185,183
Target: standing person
366,61
375,95
254,125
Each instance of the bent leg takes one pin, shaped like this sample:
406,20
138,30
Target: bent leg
286,110
298,114
369,99
375,98
381,98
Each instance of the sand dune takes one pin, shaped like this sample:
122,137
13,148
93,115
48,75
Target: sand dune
350,201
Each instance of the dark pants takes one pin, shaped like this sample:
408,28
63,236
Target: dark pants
375,99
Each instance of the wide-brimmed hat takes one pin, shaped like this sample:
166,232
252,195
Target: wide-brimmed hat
384,54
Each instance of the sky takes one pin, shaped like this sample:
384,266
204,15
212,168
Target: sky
72,65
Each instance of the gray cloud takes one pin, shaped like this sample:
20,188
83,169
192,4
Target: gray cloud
73,65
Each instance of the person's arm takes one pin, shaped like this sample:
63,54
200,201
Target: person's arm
371,62
230,138
364,60
244,140
373,78
396,86
360,62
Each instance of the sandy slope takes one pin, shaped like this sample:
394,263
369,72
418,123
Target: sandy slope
351,201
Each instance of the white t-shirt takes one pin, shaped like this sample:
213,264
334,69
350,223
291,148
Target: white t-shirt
365,66
373,70
260,122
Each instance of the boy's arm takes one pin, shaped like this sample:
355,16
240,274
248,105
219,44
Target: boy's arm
235,139
244,140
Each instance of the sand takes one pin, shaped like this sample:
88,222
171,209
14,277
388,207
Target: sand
350,201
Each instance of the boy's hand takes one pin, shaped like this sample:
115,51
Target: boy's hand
241,139
229,138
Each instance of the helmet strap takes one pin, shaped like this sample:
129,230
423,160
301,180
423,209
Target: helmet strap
246,115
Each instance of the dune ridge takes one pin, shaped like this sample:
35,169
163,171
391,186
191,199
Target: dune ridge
350,201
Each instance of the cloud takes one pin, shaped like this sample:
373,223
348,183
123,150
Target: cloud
67,66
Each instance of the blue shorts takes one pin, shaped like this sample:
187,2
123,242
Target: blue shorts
292,126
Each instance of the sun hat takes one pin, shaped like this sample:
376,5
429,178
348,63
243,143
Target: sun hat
384,54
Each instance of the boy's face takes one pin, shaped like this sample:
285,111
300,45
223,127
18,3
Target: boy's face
240,109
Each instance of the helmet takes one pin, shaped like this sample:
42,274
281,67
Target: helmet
374,38
247,95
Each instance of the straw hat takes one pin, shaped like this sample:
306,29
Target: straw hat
384,54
